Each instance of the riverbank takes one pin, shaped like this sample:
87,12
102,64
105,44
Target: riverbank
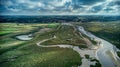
105,59
85,61
82,52
108,31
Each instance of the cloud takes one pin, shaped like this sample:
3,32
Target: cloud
86,2
60,7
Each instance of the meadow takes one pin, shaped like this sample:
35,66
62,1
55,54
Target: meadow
66,35
18,53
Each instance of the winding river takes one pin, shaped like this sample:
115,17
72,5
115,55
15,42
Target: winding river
104,57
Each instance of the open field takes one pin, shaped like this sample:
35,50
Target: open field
6,28
66,35
18,53
8,31
32,56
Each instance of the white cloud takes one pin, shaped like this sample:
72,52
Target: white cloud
35,5
14,10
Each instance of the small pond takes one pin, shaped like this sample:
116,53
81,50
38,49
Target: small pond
24,37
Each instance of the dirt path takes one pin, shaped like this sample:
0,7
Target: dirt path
81,52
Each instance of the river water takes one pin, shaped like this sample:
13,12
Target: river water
105,59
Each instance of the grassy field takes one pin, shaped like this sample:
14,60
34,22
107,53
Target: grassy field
109,31
66,35
34,56
8,31
17,53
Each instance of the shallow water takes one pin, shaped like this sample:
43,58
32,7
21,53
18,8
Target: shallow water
103,57
24,37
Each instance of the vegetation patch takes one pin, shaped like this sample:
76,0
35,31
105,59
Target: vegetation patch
118,53
97,64
87,56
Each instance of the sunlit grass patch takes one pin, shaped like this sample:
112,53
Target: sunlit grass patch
33,56
65,35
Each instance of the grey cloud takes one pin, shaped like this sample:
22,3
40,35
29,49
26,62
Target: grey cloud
58,6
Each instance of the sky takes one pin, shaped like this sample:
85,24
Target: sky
59,7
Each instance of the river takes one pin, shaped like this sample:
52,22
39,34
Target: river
104,57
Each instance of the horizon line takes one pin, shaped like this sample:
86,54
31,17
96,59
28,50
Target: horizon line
58,15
